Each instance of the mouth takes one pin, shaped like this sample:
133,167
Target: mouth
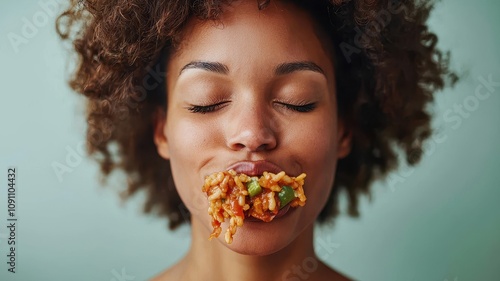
238,194
255,168
282,212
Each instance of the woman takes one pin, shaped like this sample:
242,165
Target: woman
189,88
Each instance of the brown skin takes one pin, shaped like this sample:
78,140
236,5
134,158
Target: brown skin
252,124
384,86
228,265
386,82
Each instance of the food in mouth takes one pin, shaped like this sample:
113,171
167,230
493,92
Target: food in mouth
237,196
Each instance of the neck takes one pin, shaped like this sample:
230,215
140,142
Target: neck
217,262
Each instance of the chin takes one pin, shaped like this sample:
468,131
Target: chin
249,244
262,239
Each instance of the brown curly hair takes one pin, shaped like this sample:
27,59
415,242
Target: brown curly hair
387,69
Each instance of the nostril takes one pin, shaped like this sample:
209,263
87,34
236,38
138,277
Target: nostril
239,146
263,147
252,140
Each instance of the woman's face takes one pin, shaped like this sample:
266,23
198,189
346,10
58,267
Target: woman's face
256,87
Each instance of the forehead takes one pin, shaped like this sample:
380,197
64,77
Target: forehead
280,32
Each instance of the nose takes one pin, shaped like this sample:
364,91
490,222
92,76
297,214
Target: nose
252,130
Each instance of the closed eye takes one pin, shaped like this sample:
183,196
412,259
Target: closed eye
298,107
203,109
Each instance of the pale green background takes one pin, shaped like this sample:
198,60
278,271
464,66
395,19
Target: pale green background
439,222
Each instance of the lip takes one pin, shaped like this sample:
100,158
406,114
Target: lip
282,212
255,168
287,209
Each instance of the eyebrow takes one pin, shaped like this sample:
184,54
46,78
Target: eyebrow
281,69
216,67
289,67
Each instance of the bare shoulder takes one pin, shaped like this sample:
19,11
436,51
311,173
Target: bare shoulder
172,273
163,276
325,272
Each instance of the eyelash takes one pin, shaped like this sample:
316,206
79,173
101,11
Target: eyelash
204,109
302,108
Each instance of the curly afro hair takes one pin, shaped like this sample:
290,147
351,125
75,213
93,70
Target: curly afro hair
387,70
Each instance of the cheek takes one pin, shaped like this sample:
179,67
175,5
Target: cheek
316,143
318,158
186,137
189,146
